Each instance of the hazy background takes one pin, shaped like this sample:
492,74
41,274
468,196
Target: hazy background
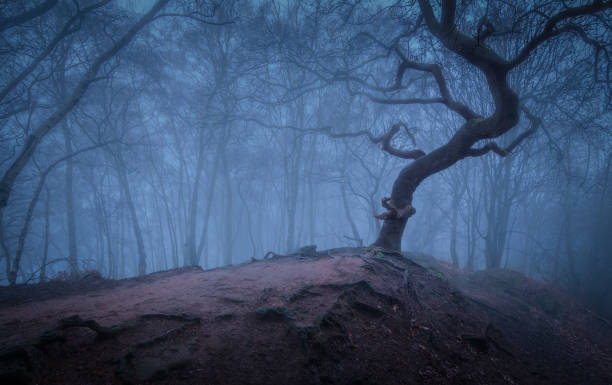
207,140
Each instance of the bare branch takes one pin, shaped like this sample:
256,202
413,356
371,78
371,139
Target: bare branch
197,16
67,30
436,72
550,29
27,15
386,143
32,141
380,100
404,65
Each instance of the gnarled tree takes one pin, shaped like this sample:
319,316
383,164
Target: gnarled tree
496,68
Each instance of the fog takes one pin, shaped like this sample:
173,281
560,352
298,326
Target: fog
212,133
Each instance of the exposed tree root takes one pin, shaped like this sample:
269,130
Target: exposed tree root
367,309
327,330
272,254
275,313
20,362
307,290
135,367
411,287
174,317
102,332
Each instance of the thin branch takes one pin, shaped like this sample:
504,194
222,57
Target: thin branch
550,29
436,72
65,31
27,15
32,141
197,16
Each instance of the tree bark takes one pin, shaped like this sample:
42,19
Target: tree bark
474,129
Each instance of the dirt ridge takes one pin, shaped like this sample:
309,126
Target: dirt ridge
345,316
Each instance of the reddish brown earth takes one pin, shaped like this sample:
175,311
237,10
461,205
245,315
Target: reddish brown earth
348,316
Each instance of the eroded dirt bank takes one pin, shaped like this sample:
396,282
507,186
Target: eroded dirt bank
348,316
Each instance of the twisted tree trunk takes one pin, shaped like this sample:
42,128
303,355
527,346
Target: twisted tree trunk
476,128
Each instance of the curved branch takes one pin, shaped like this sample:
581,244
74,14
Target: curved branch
386,143
197,16
404,65
436,72
503,152
27,15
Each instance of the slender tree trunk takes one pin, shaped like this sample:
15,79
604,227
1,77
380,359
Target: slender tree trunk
70,215
311,196
293,192
105,230
43,267
498,212
173,236
347,207
162,237
5,248
68,185
125,186
210,196
472,236
191,256
170,224
121,237
454,219
228,217
249,221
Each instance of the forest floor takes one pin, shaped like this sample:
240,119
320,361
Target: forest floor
345,316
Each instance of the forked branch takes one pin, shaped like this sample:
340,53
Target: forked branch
386,143
535,124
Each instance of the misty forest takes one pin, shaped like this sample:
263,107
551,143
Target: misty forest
435,175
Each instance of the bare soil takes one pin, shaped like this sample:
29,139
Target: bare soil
346,316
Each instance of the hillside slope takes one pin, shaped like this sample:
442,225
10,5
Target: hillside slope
346,316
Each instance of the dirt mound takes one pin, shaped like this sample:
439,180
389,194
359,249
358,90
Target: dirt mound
348,316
